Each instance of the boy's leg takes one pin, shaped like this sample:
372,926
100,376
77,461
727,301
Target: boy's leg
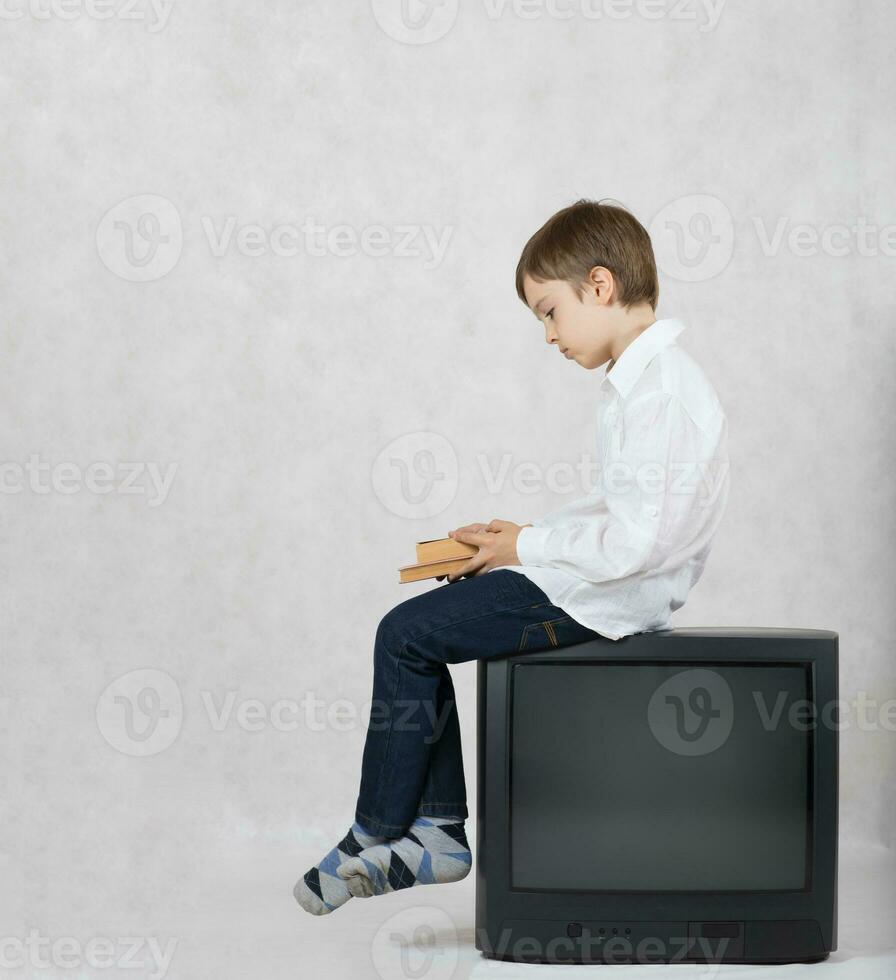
412,760
412,772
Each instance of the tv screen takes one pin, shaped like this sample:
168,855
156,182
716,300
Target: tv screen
660,777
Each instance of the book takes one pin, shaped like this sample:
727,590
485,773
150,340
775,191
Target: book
439,548
430,569
438,556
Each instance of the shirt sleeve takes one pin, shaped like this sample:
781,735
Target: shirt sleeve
635,520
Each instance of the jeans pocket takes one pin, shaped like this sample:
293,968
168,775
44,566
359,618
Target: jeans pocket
544,635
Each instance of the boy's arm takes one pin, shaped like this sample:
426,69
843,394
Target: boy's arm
648,504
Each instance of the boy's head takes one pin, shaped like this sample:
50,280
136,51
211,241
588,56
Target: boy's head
590,276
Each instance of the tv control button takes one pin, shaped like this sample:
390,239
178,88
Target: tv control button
574,930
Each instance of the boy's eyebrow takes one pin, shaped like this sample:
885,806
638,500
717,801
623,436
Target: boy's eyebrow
538,304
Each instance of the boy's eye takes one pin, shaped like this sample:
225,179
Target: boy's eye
549,313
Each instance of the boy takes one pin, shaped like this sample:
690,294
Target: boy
615,562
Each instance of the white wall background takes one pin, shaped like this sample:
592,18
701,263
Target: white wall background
271,379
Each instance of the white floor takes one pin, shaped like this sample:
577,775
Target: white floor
251,927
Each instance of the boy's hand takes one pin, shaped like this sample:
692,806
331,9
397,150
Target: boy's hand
451,534
468,527
497,546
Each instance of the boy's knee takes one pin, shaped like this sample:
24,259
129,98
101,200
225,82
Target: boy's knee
397,635
389,632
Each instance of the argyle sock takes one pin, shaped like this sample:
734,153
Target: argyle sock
432,851
320,890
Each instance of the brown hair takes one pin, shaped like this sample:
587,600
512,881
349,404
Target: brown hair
585,234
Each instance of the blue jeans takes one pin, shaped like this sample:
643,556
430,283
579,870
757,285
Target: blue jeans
412,757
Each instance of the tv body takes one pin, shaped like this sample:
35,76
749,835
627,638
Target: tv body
668,797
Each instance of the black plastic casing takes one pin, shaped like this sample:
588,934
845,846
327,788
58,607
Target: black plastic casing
528,925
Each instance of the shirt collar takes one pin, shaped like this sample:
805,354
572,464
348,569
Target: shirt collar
639,353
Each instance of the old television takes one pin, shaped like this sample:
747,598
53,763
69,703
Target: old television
668,797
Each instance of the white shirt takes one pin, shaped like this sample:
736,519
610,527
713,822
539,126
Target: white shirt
624,557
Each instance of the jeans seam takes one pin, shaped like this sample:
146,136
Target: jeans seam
373,822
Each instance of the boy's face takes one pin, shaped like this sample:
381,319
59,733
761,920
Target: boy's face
580,325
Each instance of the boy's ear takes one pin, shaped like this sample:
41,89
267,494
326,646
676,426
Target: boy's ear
602,284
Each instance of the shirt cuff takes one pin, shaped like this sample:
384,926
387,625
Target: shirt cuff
530,545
